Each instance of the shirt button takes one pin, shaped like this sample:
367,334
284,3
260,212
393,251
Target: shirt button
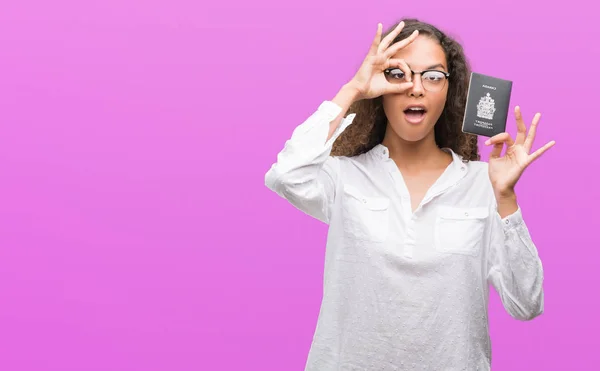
506,221
466,214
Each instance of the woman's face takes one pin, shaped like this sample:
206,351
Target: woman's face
429,94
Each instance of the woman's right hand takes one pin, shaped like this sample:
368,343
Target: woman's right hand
369,80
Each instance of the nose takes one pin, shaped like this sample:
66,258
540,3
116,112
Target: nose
417,89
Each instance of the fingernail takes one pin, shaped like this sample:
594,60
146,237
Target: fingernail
487,142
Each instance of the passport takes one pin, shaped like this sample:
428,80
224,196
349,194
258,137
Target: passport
486,110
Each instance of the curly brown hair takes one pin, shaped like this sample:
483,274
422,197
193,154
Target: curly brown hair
369,125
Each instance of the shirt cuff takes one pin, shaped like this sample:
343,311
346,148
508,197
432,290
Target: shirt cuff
513,220
330,109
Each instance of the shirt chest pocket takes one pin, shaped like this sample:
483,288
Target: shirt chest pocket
365,217
460,230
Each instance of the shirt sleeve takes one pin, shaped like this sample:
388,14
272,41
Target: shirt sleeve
305,174
514,267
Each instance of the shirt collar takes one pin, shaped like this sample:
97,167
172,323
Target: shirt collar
456,170
383,152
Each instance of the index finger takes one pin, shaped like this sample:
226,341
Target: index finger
376,41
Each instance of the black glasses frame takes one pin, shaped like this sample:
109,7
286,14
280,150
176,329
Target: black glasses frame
387,72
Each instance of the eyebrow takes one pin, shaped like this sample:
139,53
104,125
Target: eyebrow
432,66
435,66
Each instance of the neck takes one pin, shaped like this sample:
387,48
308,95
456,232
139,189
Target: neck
418,155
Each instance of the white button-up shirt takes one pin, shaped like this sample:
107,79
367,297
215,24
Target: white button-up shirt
405,290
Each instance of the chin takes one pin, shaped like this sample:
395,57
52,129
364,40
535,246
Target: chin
410,132
413,137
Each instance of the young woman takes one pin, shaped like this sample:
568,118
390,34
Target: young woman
418,225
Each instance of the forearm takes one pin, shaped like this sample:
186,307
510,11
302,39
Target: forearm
305,173
344,98
516,269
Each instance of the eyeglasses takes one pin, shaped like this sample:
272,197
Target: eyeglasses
432,80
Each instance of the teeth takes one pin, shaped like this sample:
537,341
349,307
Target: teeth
416,109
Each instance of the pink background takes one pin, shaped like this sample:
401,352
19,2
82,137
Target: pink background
136,232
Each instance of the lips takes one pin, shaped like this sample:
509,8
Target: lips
415,114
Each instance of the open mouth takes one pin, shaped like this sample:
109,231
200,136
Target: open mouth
415,114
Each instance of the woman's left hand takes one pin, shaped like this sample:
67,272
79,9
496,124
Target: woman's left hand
505,171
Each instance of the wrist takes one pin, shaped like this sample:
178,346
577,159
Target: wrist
353,89
507,202
506,194
347,95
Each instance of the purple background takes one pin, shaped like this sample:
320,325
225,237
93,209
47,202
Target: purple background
136,232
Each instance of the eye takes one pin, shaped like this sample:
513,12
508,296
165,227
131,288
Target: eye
395,73
434,76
